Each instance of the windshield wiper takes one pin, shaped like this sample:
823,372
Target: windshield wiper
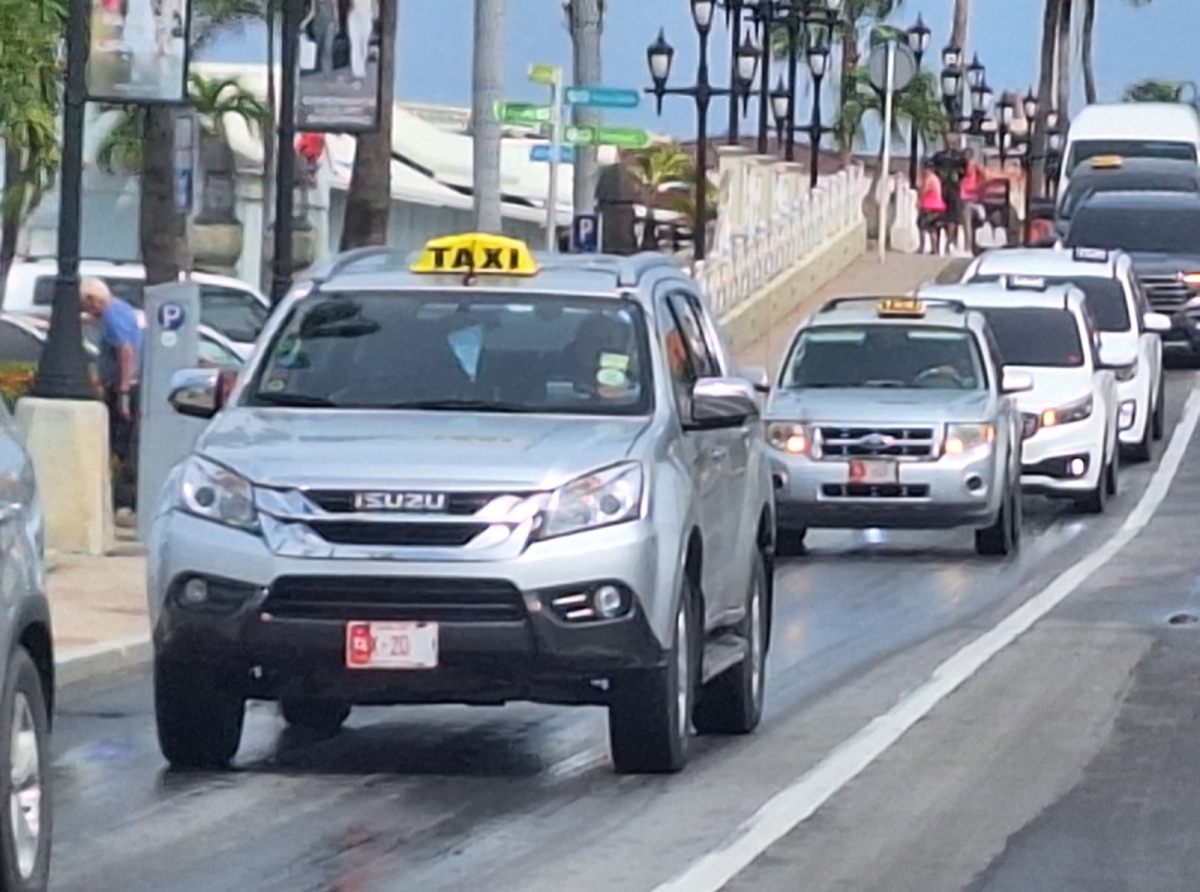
463,405
300,400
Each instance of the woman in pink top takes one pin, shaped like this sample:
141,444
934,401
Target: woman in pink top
970,189
931,205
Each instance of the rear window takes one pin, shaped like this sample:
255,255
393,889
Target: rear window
1164,230
1036,336
1086,149
129,290
1078,192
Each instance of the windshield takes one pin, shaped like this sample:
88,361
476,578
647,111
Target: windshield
1036,336
1086,149
458,351
1146,230
886,356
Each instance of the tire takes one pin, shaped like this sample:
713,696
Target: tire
790,542
27,817
324,716
1112,481
1017,515
997,540
199,720
732,703
649,719
1160,412
1095,501
1140,451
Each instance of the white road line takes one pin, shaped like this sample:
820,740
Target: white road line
795,804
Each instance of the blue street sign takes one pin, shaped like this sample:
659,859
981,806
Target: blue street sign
541,153
603,97
585,233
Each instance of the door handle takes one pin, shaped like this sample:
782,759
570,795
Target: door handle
718,453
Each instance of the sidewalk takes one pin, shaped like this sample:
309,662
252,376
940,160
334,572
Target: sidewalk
897,275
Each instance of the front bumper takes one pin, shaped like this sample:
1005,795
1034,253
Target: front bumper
948,492
276,627
1048,457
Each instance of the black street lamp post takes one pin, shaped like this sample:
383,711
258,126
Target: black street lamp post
62,371
918,42
802,17
285,174
742,90
1025,143
1006,113
763,13
660,56
952,81
782,101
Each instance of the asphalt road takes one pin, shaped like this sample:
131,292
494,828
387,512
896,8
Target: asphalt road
1065,762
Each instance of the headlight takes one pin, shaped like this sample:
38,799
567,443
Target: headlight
1076,411
1127,372
964,438
215,493
599,499
789,437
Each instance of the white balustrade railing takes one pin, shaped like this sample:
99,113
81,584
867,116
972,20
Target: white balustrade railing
768,220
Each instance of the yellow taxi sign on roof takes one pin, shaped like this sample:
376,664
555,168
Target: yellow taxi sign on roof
900,306
476,252
1101,162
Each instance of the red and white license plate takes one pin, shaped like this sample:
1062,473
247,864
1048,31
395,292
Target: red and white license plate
868,471
391,645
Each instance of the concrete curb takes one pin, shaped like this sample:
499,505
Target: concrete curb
98,660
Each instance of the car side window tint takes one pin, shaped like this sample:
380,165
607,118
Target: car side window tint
18,345
680,364
718,348
704,364
993,351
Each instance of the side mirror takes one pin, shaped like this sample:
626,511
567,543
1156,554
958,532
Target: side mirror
723,402
1016,382
197,393
1159,323
758,377
1113,356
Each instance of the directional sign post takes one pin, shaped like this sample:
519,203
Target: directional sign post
621,137
524,113
541,153
603,97
550,76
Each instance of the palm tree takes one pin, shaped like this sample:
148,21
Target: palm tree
962,21
1063,60
1051,13
369,202
655,170
585,21
919,104
1086,43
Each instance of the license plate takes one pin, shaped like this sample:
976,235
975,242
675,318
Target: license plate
874,472
391,645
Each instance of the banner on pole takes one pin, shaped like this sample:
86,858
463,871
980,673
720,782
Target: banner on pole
138,51
338,90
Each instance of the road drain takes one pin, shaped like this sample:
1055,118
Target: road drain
1184,619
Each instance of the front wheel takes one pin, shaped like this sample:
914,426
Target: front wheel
199,719
1001,538
649,719
789,542
732,703
25,746
1159,423
1096,500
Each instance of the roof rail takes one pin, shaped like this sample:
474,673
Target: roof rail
347,259
633,268
948,303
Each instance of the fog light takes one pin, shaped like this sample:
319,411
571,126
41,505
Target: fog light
1077,467
608,601
1128,414
974,483
195,591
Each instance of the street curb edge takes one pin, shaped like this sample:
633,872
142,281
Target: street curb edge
107,658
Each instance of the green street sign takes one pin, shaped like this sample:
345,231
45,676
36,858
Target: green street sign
603,97
621,137
522,113
544,73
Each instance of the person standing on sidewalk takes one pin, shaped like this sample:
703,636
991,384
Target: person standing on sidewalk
119,367
931,209
972,190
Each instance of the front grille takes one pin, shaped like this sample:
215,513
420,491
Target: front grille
462,504
875,491
870,442
394,598
1165,292
429,535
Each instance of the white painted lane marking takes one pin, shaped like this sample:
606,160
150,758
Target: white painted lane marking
795,804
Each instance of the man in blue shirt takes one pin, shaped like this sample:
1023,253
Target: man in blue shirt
119,367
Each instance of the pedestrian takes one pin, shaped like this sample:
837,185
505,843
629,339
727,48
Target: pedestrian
971,190
951,166
931,209
359,23
323,16
119,368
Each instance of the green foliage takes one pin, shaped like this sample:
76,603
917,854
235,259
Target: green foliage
656,167
920,104
857,16
30,75
1152,90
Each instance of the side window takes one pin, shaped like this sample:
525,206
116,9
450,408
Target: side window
704,363
680,364
236,314
993,351
18,345
716,346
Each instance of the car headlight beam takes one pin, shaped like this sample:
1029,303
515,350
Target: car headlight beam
599,499
964,438
1076,411
216,493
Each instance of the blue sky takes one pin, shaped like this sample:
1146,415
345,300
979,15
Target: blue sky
435,46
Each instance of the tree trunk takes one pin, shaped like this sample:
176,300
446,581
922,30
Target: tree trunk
160,225
269,137
962,20
369,202
1050,16
586,25
1063,75
1087,40
12,217
488,78
849,64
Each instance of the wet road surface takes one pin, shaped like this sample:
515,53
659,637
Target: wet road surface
1061,765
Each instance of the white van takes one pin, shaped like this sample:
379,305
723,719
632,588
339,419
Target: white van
1131,130
230,306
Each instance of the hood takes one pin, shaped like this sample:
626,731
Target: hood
346,449
1052,388
1152,264
860,405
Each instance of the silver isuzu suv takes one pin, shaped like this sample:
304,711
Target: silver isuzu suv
479,478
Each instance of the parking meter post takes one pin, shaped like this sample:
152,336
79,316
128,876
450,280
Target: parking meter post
172,343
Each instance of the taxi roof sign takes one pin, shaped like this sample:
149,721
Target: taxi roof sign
476,253
1107,162
1091,255
1026,283
909,307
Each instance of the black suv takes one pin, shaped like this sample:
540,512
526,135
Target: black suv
1161,232
1103,174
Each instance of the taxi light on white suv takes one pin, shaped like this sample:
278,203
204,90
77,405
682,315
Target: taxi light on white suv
962,439
215,493
1076,411
790,438
599,499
